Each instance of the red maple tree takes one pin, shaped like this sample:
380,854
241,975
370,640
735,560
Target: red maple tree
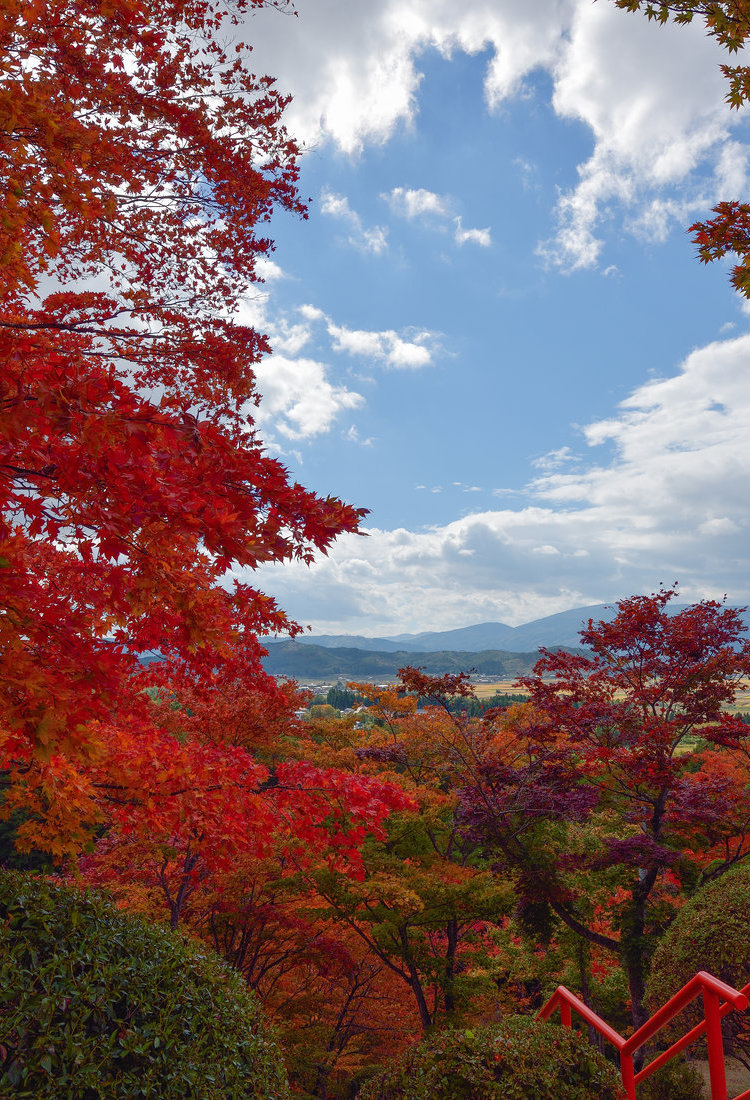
613,741
138,158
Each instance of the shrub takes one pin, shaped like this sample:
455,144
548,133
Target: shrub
678,1080
95,1003
709,933
515,1060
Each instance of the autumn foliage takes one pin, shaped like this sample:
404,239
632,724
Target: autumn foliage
374,876
139,158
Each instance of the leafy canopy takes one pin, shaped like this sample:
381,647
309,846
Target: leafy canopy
140,157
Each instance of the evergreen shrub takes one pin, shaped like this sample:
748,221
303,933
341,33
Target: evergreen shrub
96,1003
709,933
517,1059
678,1080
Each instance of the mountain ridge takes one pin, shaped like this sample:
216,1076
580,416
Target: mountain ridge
559,630
311,662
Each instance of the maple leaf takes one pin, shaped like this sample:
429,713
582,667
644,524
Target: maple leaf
140,159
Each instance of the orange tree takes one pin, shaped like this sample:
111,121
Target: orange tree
600,795
426,898
139,159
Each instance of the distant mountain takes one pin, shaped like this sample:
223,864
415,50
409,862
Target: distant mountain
351,641
314,662
552,631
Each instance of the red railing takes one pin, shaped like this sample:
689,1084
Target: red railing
713,991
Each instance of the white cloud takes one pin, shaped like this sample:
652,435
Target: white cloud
374,239
671,503
268,270
352,65
353,436
409,350
311,313
289,338
427,205
652,98
387,347
475,236
298,401
553,460
417,203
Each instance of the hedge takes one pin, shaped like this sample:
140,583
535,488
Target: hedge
514,1060
709,933
96,1003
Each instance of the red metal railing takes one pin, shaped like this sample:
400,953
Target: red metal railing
713,992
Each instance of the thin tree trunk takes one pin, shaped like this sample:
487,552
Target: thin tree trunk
451,932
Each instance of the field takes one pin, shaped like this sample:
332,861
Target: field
504,687
484,690
742,701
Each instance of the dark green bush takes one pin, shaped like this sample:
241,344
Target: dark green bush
709,933
95,1003
518,1059
678,1080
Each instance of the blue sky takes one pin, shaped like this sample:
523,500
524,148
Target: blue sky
492,331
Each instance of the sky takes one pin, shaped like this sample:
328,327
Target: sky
493,331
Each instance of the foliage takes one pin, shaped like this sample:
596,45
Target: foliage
426,899
342,698
140,156
599,793
185,814
678,1080
709,933
314,662
514,1060
95,1003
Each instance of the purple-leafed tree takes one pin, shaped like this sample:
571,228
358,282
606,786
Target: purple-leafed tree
610,783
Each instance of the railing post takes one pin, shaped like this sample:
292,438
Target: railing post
628,1075
566,1018
715,1045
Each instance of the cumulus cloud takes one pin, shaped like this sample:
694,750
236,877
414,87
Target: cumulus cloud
408,350
652,98
268,270
475,236
387,347
418,203
602,530
438,209
298,399
374,239
553,460
353,66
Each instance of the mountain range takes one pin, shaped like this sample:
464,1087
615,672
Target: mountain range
496,648
553,630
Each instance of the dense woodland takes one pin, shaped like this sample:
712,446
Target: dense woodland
375,877
311,662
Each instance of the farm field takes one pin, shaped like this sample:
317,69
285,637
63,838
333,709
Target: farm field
505,687
742,700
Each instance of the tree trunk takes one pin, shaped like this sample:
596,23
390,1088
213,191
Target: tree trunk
633,956
425,1015
583,965
449,995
